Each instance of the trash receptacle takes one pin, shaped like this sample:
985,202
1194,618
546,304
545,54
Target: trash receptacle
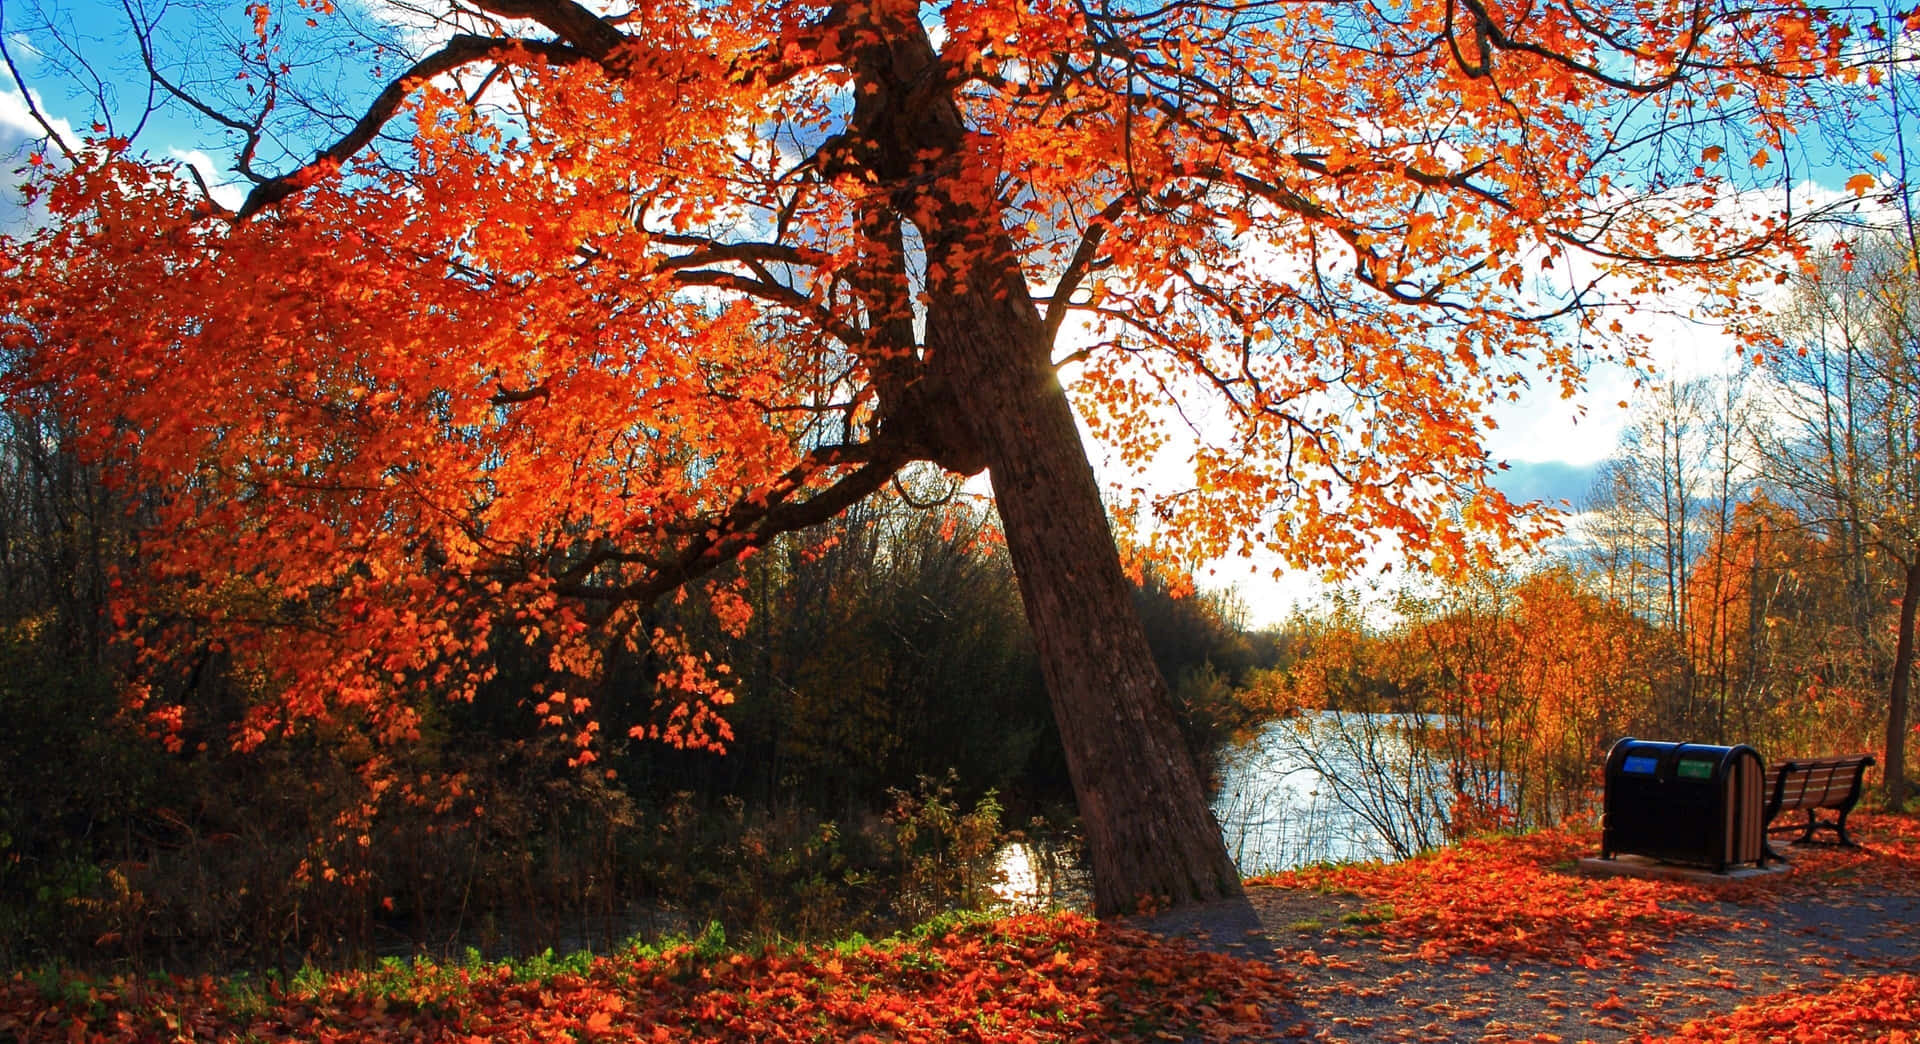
1685,803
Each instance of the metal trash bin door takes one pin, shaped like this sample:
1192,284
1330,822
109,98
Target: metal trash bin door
1684,803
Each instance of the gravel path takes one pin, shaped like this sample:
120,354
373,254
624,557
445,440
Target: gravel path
1354,984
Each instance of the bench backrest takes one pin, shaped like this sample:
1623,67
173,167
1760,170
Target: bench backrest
1815,782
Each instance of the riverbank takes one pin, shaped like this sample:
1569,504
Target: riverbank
1495,940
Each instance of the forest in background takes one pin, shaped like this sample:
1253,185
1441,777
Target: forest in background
1745,570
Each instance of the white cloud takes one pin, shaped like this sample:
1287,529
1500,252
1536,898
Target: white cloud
227,191
20,45
418,28
1676,344
18,129
18,126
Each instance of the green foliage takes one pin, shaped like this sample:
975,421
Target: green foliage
788,874
946,923
945,856
59,987
886,644
784,873
1367,918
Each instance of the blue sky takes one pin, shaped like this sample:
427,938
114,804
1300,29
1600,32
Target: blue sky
1553,447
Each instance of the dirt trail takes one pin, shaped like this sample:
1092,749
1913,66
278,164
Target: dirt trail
1840,916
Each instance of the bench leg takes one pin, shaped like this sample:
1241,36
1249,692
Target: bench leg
1840,826
1815,823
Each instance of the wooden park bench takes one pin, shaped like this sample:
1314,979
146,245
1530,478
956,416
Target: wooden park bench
1812,784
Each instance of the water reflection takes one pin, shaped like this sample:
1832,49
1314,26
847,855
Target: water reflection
1016,876
1329,787
1042,875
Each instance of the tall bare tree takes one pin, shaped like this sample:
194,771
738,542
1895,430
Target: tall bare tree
1847,398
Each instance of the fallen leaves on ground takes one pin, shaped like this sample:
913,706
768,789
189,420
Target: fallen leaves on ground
1889,857
1517,945
1521,897
1546,952
1027,978
1511,896
1880,1008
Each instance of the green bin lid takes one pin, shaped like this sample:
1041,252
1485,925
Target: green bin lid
1693,768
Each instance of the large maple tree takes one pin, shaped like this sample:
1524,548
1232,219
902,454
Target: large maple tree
589,299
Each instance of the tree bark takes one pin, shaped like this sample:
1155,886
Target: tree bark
1895,777
982,392
1149,832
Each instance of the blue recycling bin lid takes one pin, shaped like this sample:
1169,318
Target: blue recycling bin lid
1694,762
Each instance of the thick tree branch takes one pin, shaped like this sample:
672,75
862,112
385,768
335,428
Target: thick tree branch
750,524
591,34
775,293
1490,36
584,36
1081,264
459,51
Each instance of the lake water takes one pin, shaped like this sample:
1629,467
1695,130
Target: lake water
1325,787
1330,787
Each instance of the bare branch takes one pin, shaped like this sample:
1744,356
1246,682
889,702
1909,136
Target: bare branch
708,252
252,130
33,108
459,51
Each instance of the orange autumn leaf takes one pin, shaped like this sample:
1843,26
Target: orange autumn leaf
1511,897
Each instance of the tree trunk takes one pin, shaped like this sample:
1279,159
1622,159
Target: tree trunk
1896,764
1149,831
983,392
1150,834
